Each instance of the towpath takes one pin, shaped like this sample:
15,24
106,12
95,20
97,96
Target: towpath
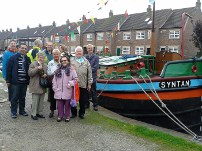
25,134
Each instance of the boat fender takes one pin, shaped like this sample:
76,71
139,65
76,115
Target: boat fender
194,68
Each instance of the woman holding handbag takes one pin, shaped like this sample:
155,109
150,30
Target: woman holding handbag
63,83
37,69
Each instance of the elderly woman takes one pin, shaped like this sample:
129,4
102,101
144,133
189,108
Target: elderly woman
62,86
52,66
85,80
37,69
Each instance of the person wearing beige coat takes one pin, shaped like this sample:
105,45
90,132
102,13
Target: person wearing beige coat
37,69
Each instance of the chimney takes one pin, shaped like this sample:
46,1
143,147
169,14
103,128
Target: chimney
149,11
54,24
2,31
6,30
28,27
83,18
198,5
111,13
10,29
18,28
40,25
67,21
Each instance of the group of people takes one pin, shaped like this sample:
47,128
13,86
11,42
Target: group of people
25,68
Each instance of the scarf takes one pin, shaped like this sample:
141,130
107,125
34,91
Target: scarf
58,72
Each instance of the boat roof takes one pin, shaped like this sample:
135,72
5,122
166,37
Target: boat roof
114,60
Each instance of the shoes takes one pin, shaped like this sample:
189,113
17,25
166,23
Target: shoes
23,113
81,116
14,116
51,115
67,120
59,119
34,117
95,108
73,116
40,116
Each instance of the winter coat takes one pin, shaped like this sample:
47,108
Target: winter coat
34,74
84,72
12,70
60,85
94,62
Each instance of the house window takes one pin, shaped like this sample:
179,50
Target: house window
89,37
125,50
140,35
72,49
73,38
173,48
174,34
139,50
149,34
163,48
126,36
100,48
100,36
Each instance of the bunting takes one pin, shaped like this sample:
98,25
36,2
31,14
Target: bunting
66,38
72,34
93,20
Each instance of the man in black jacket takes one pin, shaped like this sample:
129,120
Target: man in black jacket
17,77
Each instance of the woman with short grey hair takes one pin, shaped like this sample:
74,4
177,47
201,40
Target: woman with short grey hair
37,69
52,66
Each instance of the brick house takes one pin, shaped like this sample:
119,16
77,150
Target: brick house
121,34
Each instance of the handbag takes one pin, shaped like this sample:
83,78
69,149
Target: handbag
43,82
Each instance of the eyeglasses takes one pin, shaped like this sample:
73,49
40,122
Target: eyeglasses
63,60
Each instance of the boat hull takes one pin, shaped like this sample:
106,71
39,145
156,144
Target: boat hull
186,110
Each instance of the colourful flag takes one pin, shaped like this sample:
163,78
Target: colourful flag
93,20
151,1
72,35
126,14
66,38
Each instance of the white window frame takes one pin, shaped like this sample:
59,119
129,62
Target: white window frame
140,34
139,50
174,34
125,50
72,49
100,49
89,37
100,36
162,47
149,34
173,49
126,35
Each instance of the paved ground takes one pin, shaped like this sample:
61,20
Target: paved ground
25,134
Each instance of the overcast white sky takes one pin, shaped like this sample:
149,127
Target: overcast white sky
20,13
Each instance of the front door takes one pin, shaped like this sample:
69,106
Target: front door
118,51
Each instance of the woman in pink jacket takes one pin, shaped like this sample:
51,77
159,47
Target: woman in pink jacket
63,83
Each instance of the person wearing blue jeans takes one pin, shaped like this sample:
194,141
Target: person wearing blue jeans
11,50
17,78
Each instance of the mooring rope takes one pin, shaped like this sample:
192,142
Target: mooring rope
196,137
164,105
105,85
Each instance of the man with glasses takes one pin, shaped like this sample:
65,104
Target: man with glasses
94,62
17,77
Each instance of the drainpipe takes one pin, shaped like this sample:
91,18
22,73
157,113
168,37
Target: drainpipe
182,31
